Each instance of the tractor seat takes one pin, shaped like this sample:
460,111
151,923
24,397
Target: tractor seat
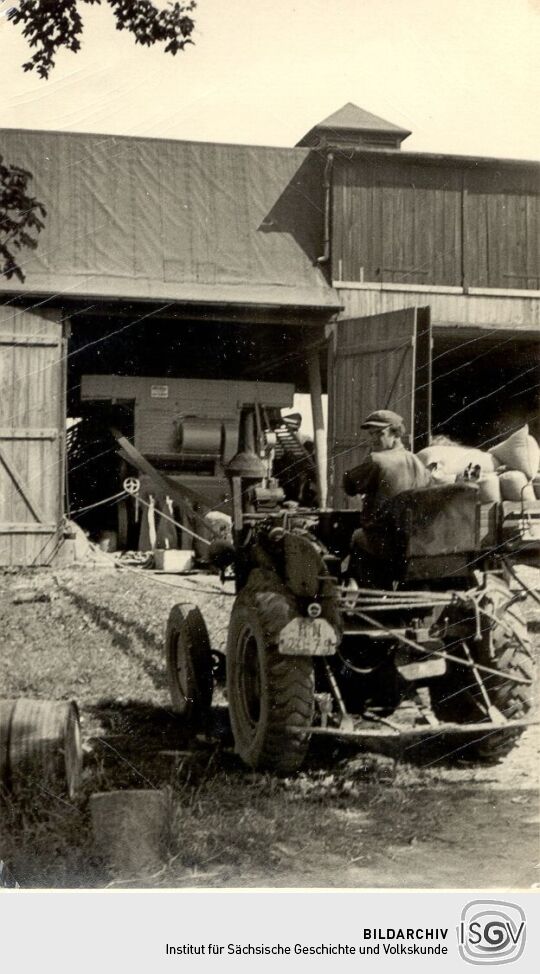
434,520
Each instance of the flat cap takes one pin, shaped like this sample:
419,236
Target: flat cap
381,419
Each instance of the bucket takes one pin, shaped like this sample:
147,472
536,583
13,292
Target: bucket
130,829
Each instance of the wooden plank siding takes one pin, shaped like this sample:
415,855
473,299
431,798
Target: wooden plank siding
32,424
501,230
408,222
372,365
457,312
420,226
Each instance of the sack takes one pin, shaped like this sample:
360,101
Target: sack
515,486
518,452
453,460
490,489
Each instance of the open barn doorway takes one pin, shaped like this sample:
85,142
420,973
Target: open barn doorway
95,472
182,391
486,384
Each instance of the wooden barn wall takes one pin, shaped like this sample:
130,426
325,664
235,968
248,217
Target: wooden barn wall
408,222
32,425
453,311
371,365
501,230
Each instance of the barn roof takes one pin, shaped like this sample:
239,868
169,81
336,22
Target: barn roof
354,125
141,218
351,116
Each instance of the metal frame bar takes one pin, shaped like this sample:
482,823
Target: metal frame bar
427,730
442,653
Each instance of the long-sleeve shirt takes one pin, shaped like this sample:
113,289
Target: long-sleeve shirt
384,474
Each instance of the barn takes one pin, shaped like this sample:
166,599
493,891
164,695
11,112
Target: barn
179,288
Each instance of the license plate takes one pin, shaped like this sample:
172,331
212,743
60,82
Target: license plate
307,637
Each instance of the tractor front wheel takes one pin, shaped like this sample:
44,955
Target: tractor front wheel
271,697
189,663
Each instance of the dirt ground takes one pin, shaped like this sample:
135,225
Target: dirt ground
418,818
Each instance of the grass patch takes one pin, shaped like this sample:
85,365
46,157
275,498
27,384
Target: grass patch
98,639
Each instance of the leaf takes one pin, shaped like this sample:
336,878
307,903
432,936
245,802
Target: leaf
19,222
50,27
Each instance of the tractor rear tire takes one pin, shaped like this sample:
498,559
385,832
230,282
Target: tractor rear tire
189,663
268,693
506,647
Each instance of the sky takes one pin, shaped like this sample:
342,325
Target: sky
461,74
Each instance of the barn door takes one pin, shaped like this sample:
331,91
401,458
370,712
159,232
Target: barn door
377,362
32,421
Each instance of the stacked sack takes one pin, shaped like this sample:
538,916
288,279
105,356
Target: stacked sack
508,471
518,458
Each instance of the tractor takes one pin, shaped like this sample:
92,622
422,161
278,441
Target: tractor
417,634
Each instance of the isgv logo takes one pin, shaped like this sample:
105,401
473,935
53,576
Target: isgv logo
491,932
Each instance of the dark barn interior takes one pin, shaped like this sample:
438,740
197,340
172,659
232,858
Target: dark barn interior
485,386
135,342
139,341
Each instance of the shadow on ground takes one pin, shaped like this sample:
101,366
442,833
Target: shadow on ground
134,741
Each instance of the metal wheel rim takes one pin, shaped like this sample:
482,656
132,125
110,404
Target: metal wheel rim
249,678
181,668
72,753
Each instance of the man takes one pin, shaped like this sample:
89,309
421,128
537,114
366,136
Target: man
389,469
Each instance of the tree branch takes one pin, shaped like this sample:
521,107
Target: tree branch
21,218
50,25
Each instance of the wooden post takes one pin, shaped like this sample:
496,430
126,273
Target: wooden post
319,432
